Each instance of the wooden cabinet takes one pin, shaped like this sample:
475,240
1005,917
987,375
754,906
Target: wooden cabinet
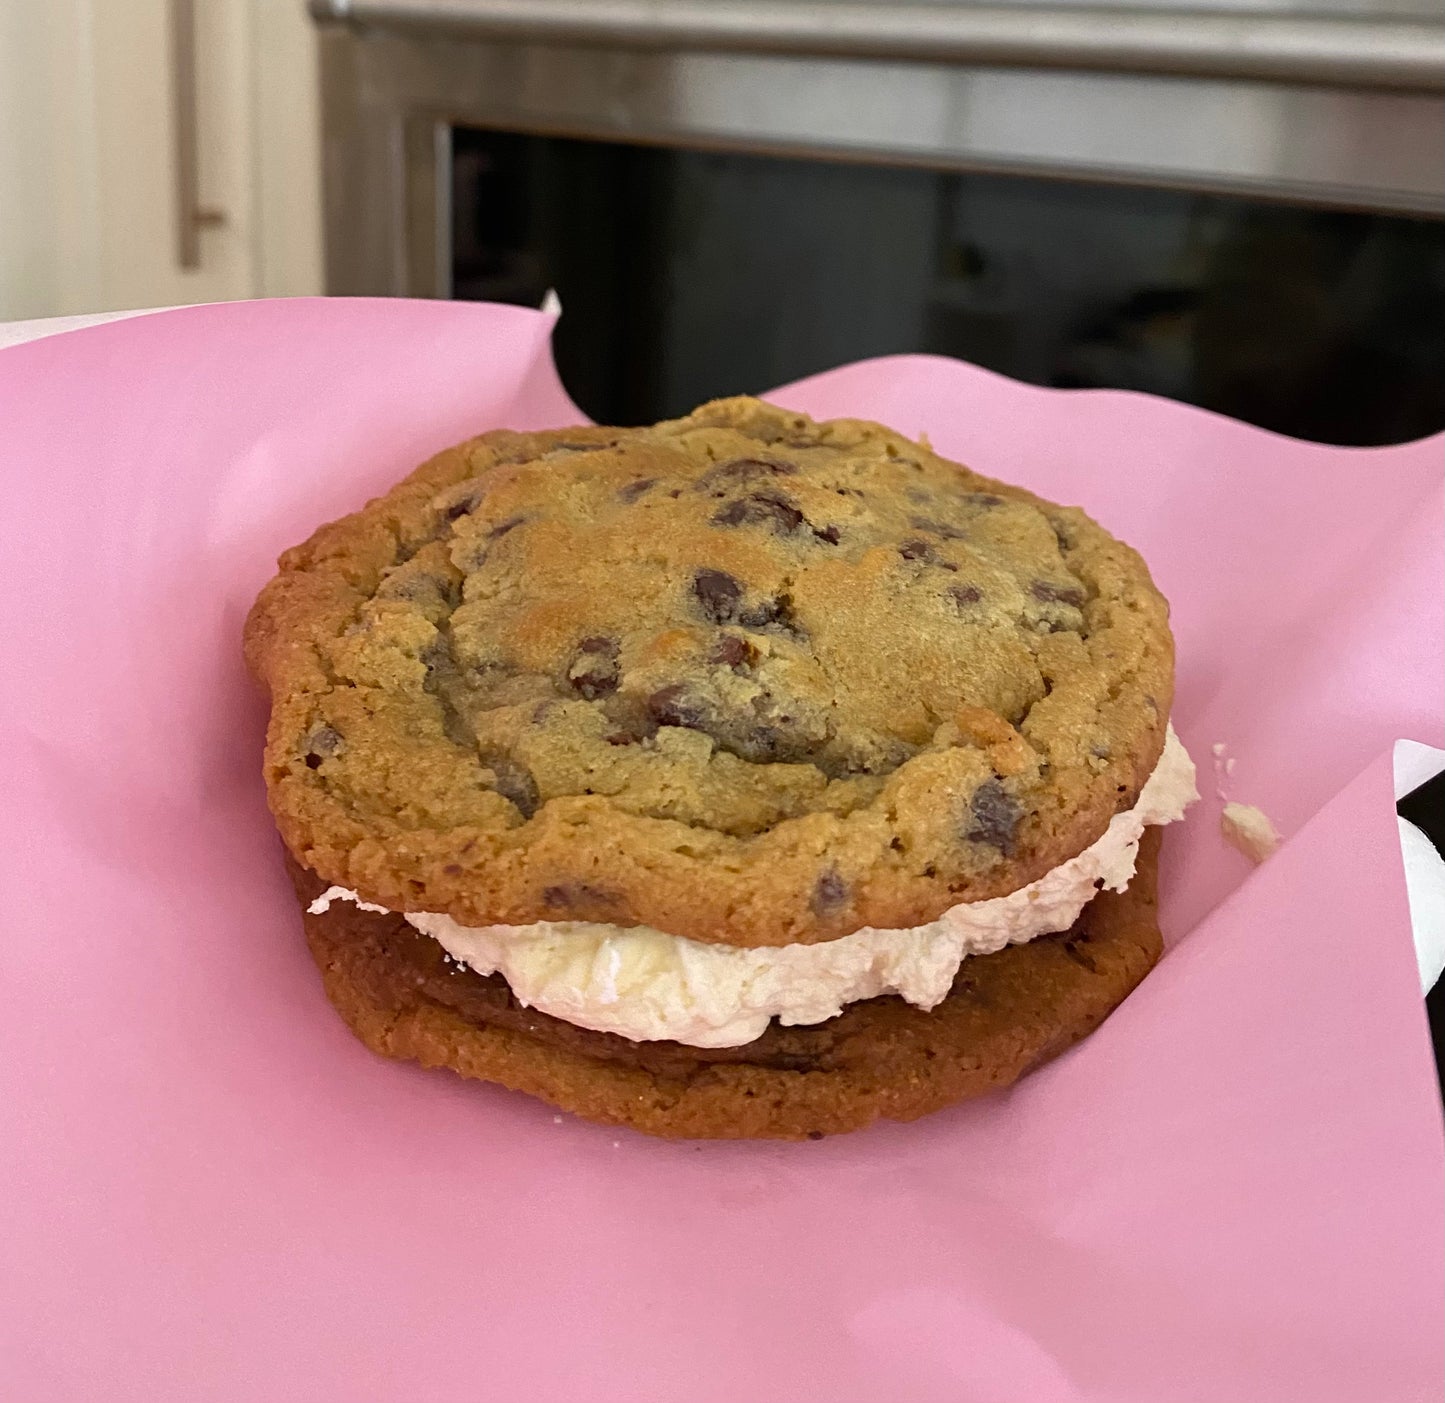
96,135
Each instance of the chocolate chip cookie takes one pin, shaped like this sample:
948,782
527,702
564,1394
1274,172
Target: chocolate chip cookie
740,677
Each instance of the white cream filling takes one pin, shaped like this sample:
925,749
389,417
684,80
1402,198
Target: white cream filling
646,984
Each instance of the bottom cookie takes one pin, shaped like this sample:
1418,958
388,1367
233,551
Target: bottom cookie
1006,1014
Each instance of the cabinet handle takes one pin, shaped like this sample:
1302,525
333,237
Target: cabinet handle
191,215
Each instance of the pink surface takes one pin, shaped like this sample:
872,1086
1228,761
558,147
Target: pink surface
208,1190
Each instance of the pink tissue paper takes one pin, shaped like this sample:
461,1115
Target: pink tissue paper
208,1189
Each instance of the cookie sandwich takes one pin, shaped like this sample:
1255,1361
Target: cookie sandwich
737,776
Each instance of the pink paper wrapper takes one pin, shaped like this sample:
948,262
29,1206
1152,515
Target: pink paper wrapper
209,1190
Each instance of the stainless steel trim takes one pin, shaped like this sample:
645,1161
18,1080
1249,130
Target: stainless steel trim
427,174
442,207
191,215
1351,51
384,96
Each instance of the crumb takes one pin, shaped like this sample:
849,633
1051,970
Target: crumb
556,1120
1229,766
617,1144
1249,830
1217,748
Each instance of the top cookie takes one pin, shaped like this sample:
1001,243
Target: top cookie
741,677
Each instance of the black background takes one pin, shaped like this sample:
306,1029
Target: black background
688,275
1425,808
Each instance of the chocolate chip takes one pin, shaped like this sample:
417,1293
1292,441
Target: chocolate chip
827,533
770,509
721,598
672,706
730,651
983,499
633,490
964,595
718,593
993,817
936,527
502,527
767,611
815,1135
1049,593
830,893
594,672
515,783
1062,534
321,744
922,551
480,552
767,728
578,894
465,498
1099,751
747,470
629,718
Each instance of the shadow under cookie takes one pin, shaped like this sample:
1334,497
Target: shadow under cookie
1006,1014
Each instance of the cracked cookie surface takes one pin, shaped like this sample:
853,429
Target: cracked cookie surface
742,677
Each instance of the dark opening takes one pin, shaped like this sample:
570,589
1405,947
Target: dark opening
685,275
